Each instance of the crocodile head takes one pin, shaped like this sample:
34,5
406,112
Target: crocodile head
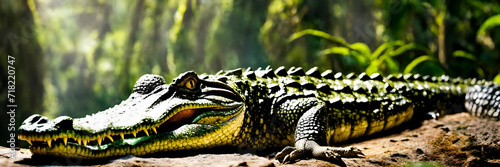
189,113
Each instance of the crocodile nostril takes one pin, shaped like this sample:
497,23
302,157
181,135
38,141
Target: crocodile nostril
38,120
64,123
35,119
43,121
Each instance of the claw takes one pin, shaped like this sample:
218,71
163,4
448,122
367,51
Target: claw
352,152
280,156
308,148
294,156
289,155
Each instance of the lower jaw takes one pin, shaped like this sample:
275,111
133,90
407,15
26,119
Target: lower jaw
73,151
139,146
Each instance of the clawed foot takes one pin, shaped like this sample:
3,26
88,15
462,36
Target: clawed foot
289,155
333,154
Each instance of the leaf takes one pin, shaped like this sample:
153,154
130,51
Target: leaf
482,34
374,66
480,72
463,54
408,47
392,65
362,60
488,24
497,79
418,61
335,50
376,54
362,48
317,33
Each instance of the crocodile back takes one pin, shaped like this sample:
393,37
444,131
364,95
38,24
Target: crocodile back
356,105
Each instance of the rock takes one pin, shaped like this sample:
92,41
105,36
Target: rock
419,151
399,155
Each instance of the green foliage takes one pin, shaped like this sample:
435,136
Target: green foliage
419,60
497,79
488,24
482,33
320,34
470,57
380,61
464,54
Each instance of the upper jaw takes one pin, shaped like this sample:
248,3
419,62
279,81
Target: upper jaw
137,117
129,118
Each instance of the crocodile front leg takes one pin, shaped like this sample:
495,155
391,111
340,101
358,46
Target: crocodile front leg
310,135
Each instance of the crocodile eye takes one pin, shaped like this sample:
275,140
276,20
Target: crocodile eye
187,81
191,84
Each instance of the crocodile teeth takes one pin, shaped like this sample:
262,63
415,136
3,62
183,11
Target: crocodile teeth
135,135
79,141
121,135
65,139
29,142
99,141
110,138
154,129
146,131
84,142
49,142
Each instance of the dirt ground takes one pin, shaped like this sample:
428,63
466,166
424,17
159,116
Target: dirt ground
454,140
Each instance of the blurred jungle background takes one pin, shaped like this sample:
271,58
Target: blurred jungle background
78,57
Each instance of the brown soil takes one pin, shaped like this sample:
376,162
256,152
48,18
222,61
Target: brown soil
455,140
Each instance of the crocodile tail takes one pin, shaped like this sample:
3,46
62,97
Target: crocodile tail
483,100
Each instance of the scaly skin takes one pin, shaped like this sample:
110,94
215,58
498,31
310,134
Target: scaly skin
305,112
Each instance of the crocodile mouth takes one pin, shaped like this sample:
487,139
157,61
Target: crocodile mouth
184,117
151,120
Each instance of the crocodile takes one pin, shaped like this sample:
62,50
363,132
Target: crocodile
304,112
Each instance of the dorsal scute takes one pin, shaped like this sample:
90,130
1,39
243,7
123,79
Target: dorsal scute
350,76
314,72
377,77
296,71
281,71
249,74
236,72
328,74
364,77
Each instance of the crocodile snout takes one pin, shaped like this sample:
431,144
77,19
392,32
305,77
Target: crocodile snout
38,123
